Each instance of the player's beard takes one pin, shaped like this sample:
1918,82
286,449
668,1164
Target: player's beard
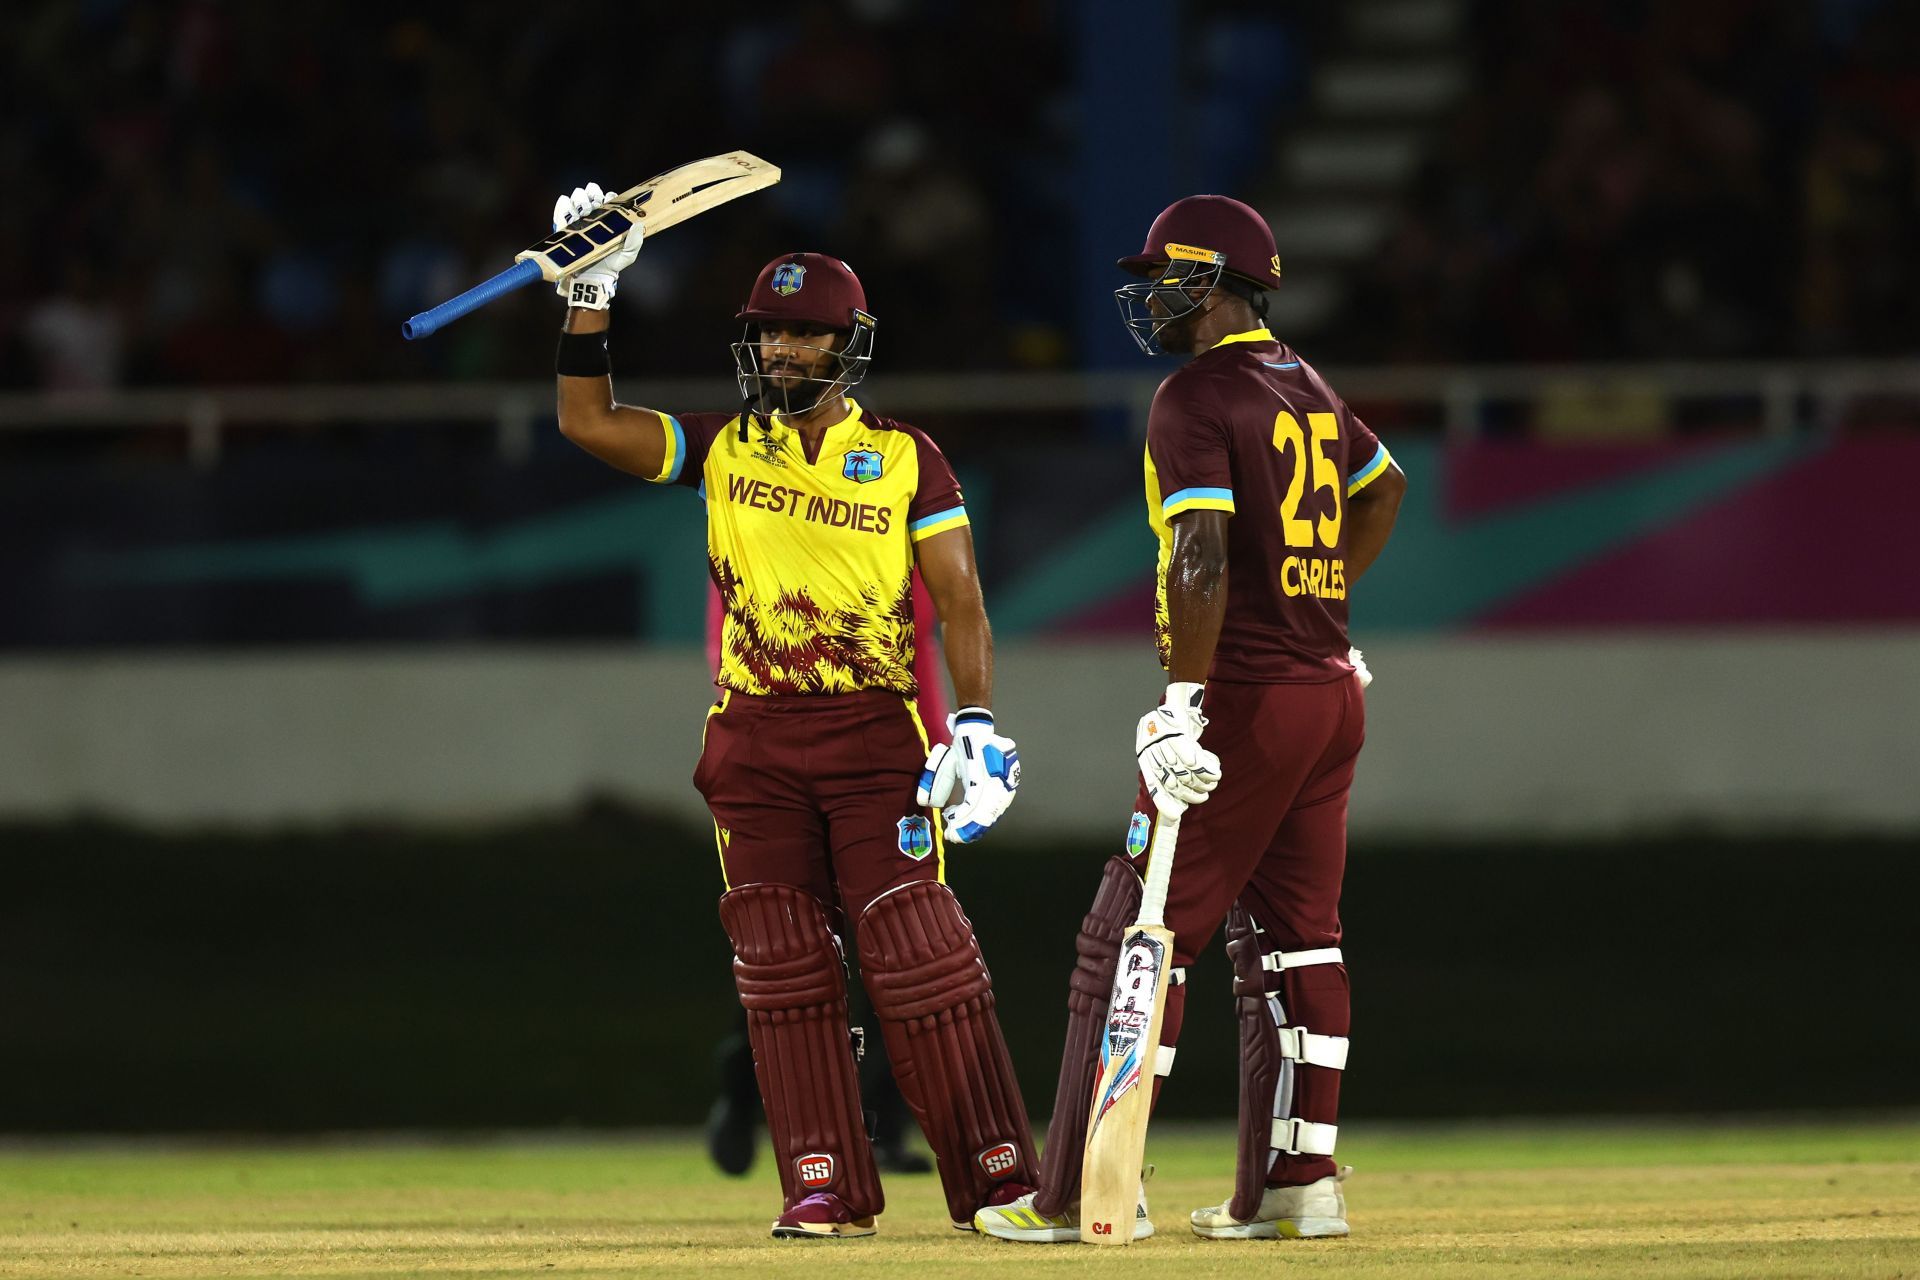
790,392
1177,334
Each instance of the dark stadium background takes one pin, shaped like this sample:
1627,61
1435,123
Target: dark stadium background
1551,248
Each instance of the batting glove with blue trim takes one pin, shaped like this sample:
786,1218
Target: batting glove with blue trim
592,288
974,780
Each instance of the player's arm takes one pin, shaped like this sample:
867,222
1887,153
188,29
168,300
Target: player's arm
982,767
953,580
1196,593
973,780
632,439
1371,512
1189,455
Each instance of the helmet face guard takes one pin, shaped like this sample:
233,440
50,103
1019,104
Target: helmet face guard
1165,297
762,393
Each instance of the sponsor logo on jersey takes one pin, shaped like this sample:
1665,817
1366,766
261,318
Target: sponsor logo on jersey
916,837
998,1160
767,449
787,278
861,466
1138,828
815,1169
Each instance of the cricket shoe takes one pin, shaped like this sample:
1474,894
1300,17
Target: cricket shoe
821,1216
1019,1220
1319,1209
1004,1194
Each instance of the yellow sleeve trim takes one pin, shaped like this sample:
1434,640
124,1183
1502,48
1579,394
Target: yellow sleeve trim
1199,504
940,522
1198,498
675,456
1369,473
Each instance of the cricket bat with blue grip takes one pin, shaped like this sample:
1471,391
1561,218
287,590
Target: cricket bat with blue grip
658,203
1129,1052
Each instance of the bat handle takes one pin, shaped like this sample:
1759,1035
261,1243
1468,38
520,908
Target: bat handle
433,319
1153,899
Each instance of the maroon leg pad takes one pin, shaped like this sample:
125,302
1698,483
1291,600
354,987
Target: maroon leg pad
1115,905
1260,1061
934,999
1313,997
794,989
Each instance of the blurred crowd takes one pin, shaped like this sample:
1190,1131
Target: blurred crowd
219,192
1638,179
206,191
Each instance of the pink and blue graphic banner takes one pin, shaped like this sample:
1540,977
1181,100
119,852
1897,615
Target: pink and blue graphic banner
1523,536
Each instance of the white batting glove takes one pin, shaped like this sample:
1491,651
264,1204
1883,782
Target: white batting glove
1358,661
972,781
1178,770
592,288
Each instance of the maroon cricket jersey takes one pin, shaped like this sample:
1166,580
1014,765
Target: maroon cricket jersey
1249,428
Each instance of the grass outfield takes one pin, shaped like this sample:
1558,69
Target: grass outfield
1670,1200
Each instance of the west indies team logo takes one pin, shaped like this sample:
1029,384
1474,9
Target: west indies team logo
861,466
1137,831
916,837
787,278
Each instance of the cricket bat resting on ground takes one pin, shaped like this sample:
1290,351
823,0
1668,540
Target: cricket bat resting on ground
1129,1047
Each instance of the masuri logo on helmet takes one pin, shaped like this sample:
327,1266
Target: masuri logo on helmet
1203,243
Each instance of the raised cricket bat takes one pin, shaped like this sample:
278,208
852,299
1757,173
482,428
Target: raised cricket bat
1117,1124
659,203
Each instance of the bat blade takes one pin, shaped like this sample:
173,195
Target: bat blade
662,201
1123,1097
1129,1056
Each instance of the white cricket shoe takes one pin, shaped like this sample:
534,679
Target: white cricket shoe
1019,1220
1316,1210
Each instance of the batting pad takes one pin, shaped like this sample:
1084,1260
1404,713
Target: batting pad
794,988
1274,1047
934,998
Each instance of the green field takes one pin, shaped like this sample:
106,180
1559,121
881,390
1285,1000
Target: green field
1668,1200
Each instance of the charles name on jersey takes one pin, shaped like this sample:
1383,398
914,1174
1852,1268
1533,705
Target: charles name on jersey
1312,576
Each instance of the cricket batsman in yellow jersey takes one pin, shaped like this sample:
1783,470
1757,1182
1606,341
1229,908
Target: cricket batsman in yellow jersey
830,807
1269,498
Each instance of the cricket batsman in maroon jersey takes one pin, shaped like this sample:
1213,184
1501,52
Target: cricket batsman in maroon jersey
831,805
1270,499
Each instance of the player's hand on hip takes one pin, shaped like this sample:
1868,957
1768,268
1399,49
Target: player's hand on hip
973,781
1177,769
592,288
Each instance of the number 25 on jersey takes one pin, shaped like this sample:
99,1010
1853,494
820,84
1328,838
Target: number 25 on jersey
1303,575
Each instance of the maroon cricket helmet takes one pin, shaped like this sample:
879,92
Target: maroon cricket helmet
810,288
1214,225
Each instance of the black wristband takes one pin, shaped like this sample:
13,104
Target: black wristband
583,355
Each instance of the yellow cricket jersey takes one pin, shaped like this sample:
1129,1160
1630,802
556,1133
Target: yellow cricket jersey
814,556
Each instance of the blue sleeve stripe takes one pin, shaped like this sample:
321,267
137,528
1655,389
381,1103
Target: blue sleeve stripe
1195,495
1367,474
936,518
679,448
